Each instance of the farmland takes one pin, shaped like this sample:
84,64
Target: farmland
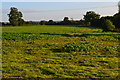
59,52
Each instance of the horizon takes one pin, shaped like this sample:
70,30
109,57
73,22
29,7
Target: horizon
54,11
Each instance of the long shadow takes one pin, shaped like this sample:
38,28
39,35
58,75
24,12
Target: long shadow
91,27
75,35
67,35
56,50
113,35
83,35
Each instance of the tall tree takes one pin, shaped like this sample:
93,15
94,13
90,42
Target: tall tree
91,16
50,22
116,20
66,19
15,17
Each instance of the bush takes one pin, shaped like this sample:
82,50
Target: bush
108,25
76,47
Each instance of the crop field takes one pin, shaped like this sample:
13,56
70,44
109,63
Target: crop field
59,52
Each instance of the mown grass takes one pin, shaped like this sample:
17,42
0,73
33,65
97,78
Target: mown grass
59,52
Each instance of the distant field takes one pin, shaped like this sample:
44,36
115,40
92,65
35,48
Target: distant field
59,52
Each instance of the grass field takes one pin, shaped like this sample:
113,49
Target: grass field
59,52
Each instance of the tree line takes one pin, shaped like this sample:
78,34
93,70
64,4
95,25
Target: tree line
91,18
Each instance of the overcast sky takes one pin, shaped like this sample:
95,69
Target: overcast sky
36,11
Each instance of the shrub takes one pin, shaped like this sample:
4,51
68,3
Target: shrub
108,25
76,47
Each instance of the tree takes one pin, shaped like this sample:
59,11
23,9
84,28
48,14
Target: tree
116,20
83,22
91,16
66,19
50,22
108,25
108,17
15,17
43,22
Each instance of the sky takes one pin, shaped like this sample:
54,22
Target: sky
59,0
37,11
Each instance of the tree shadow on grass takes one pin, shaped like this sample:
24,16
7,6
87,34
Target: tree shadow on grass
67,35
88,26
71,35
56,50
97,35
83,35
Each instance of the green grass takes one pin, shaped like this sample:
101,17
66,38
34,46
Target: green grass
59,52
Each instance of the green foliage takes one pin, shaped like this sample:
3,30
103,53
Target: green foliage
108,25
50,22
27,36
43,22
116,20
59,52
66,19
91,16
86,47
15,17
